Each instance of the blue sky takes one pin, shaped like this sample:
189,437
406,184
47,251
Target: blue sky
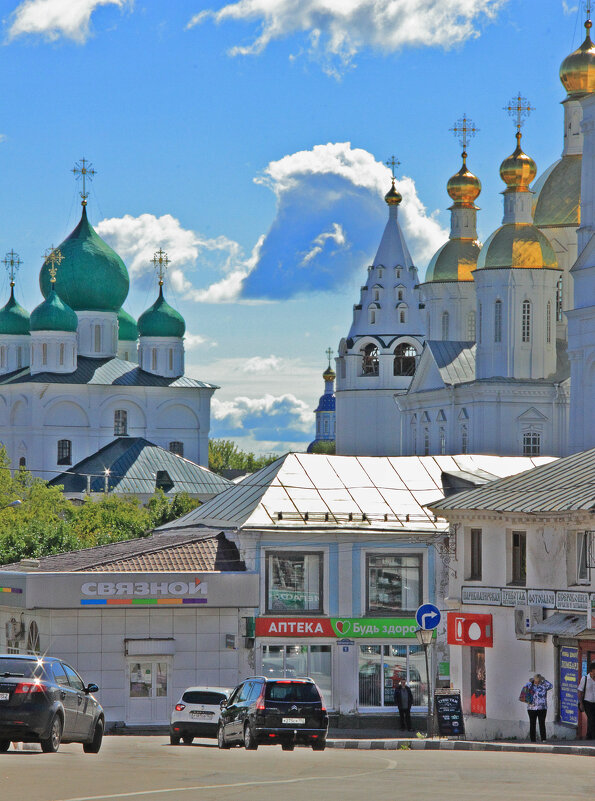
248,139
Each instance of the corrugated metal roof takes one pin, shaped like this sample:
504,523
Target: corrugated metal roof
455,360
564,625
317,490
134,464
564,485
115,372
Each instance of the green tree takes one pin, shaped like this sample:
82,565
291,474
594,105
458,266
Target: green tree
324,446
163,509
224,454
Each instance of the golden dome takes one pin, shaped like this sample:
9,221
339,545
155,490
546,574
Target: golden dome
464,187
577,71
329,374
455,261
557,198
517,245
518,170
392,197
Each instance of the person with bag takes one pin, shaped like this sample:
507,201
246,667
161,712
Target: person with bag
534,694
586,700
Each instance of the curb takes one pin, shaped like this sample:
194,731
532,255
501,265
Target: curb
459,745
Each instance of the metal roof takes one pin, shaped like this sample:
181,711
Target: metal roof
134,466
115,372
563,485
564,625
317,490
455,360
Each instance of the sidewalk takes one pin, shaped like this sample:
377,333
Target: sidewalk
378,739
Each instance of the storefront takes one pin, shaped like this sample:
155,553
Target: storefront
356,662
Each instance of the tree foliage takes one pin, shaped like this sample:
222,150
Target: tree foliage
224,454
324,446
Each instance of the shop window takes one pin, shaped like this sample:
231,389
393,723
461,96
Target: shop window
288,661
370,363
177,448
404,361
380,669
294,581
394,583
147,679
518,573
477,663
120,423
64,451
474,572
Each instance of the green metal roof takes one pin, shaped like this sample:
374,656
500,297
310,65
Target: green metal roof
91,277
53,315
127,327
13,318
160,320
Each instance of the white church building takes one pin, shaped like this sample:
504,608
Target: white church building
497,333
79,371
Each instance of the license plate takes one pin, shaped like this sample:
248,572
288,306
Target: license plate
201,715
4,696
294,720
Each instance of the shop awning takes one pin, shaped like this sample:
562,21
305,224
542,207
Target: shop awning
562,624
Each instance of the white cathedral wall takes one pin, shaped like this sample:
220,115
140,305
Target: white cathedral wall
15,352
368,423
97,334
128,350
455,298
564,242
161,356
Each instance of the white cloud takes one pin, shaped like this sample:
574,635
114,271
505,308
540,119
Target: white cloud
568,9
336,235
340,28
55,18
260,364
269,418
194,341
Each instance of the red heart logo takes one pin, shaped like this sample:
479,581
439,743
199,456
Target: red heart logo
339,625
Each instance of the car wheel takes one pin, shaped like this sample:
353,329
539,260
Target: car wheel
319,746
174,739
187,739
95,744
221,742
250,743
287,746
4,745
49,745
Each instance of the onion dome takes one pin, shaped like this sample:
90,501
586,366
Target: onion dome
557,200
464,187
127,327
518,170
517,245
53,315
160,320
392,197
577,71
329,374
92,276
13,318
454,261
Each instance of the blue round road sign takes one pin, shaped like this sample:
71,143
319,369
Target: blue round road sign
428,616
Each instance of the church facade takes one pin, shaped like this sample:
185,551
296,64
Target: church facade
499,329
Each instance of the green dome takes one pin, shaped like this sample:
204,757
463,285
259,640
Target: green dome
557,198
455,261
160,320
13,318
53,315
517,245
92,277
127,327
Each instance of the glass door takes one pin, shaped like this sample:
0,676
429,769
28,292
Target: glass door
381,667
148,690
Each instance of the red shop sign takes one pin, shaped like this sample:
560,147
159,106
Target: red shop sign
294,626
468,629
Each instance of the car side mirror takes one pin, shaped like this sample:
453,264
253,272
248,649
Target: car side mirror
91,688
222,704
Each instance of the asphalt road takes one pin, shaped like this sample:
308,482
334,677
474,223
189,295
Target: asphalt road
149,769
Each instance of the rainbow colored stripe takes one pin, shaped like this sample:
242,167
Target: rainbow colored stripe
10,589
140,601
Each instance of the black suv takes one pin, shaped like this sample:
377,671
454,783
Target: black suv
263,711
44,700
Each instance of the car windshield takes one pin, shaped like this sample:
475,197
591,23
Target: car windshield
291,691
29,668
203,697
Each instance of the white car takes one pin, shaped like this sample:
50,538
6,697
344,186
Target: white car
197,714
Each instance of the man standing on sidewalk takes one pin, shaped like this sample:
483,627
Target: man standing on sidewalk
586,700
404,702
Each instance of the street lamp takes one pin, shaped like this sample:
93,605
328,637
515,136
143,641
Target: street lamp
424,638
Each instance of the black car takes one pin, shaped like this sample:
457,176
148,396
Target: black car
44,700
263,711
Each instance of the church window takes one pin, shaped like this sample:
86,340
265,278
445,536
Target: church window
2,356
426,441
120,423
19,357
64,451
153,358
177,448
464,440
498,321
404,361
62,354
442,439
171,358
376,293
380,271
126,356
414,441
399,294
479,322
397,272
326,426
370,363
44,353
445,325
526,322
471,326
548,322
22,462
342,367
559,286
531,443
97,335
402,316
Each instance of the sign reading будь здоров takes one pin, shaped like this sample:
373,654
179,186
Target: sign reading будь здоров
357,627
569,672
569,600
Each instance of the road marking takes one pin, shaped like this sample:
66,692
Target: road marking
137,793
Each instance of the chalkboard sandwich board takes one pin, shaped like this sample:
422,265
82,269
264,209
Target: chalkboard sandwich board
449,714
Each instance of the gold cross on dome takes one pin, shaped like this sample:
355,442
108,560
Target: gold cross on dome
84,169
520,108
53,256
12,262
160,262
464,129
329,353
392,163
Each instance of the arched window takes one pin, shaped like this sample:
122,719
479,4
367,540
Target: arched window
62,353
498,321
445,325
177,448
559,287
376,293
548,322
120,423
380,272
370,364
526,322
399,294
397,272
153,358
531,443
22,462
402,316
404,361
64,451
471,326
442,439
44,353
97,335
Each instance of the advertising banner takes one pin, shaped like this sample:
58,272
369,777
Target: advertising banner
569,677
337,627
469,629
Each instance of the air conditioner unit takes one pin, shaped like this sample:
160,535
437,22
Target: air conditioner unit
525,617
15,630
